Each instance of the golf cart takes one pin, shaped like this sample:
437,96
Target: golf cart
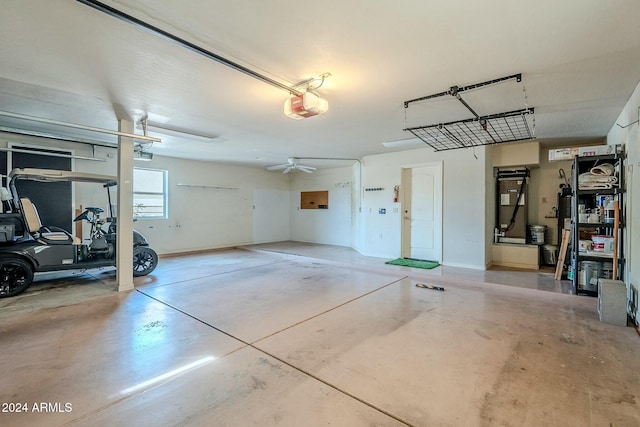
28,247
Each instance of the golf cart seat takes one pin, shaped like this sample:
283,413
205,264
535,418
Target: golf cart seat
34,224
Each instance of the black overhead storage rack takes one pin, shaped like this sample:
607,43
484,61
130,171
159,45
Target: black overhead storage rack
484,130
477,130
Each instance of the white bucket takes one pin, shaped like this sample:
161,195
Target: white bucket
610,213
537,234
602,243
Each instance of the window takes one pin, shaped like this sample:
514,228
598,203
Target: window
314,200
149,193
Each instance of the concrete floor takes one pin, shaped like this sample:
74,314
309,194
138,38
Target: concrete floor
294,334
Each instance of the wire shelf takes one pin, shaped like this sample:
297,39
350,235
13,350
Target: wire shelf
484,130
476,131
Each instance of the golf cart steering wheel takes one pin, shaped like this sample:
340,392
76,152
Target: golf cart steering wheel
85,215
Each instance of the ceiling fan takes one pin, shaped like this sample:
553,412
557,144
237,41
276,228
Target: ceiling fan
292,164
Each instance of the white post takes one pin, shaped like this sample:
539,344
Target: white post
124,248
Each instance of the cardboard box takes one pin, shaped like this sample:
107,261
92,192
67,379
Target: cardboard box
561,154
596,150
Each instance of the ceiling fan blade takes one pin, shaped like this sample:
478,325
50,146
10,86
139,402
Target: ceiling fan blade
307,169
291,165
278,167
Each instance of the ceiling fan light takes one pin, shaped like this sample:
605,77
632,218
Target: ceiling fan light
305,105
291,165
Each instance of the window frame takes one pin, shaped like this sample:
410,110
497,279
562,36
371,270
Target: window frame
164,193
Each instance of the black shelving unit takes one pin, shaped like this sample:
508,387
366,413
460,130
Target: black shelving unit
589,198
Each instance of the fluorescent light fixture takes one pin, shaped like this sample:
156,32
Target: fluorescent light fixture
177,133
45,153
167,375
409,142
77,126
306,105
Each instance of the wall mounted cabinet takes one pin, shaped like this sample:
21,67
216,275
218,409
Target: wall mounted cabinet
314,200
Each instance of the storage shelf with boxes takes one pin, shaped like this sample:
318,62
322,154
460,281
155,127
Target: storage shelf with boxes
597,212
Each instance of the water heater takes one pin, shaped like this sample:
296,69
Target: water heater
511,203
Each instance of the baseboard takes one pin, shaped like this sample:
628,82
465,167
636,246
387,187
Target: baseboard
457,265
517,265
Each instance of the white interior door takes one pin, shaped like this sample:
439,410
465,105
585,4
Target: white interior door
422,213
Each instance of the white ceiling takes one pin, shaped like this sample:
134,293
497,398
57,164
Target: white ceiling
60,59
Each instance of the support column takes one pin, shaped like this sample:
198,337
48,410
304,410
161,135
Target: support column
124,248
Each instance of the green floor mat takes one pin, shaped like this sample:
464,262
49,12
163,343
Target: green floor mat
416,263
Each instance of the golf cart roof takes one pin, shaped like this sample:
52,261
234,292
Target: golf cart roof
51,175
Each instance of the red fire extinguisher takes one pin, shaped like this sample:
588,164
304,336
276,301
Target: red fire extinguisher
396,192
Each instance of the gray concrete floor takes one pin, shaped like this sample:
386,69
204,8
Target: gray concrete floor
294,334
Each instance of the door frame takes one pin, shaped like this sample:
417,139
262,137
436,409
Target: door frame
405,204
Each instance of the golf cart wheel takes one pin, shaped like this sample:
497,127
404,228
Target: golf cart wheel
15,276
144,260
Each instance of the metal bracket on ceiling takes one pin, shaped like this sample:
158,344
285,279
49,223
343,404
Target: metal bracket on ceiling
307,82
455,90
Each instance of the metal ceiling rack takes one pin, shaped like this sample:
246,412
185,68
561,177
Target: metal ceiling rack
484,130
478,130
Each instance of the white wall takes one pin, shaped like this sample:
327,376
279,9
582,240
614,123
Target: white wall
630,137
265,207
332,226
271,214
199,218
464,198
